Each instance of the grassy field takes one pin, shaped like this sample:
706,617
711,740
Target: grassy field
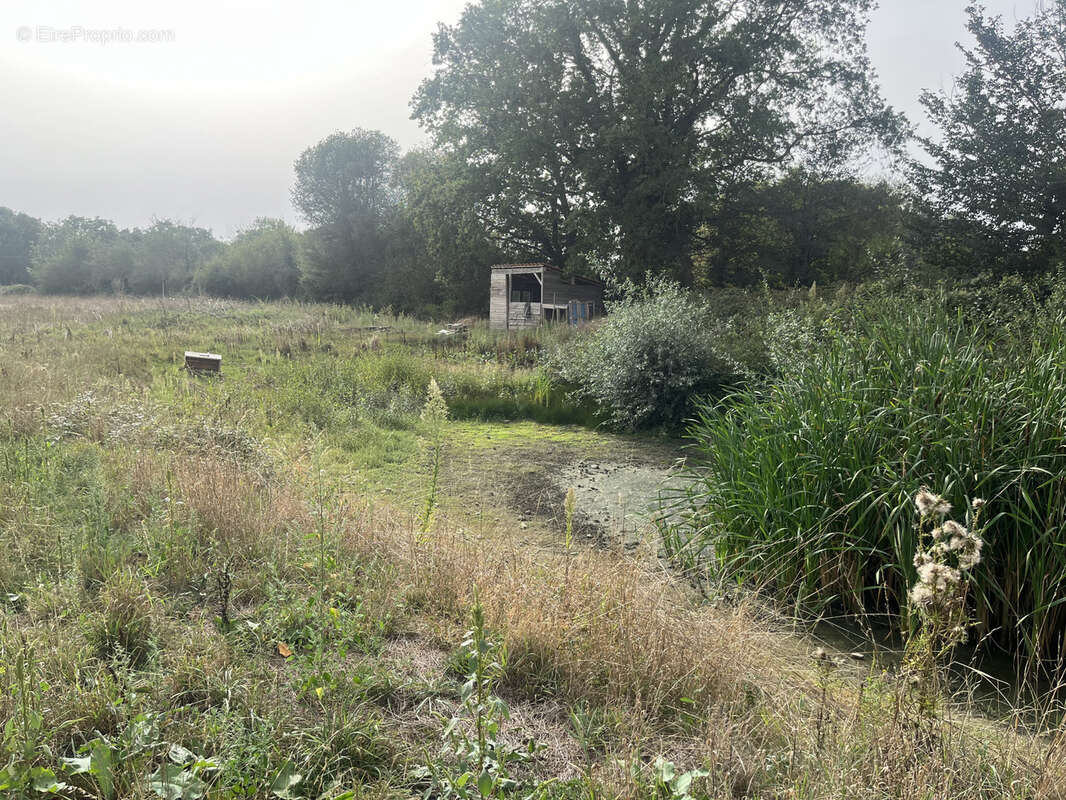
291,581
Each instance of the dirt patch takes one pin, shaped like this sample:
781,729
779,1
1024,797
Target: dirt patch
415,658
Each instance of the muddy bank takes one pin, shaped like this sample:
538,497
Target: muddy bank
617,500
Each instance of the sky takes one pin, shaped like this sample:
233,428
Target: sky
195,111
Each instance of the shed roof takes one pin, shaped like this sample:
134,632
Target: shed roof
546,265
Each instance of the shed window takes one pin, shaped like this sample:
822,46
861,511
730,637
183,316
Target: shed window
525,289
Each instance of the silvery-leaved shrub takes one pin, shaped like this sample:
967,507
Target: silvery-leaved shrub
656,353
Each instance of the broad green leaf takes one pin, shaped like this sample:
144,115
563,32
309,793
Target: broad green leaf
180,755
100,767
286,781
78,765
44,780
171,782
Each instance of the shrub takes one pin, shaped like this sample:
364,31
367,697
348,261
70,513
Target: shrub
14,289
805,483
658,350
261,262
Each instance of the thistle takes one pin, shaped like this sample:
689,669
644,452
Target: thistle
938,597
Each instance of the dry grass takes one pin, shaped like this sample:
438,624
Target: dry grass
703,685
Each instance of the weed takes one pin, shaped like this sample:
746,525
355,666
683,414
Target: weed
124,627
434,415
479,764
287,499
804,489
947,554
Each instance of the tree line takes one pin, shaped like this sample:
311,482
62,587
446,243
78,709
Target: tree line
716,143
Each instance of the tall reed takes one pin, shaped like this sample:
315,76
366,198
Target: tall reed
805,483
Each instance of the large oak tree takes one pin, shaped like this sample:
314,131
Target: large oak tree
599,129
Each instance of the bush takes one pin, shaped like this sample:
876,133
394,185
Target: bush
645,365
15,289
261,262
806,482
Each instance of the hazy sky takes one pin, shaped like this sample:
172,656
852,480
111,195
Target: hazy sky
204,125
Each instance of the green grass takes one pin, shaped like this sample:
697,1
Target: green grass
132,491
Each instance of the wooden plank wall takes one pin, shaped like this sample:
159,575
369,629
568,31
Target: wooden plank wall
558,291
519,318
498,300
555,291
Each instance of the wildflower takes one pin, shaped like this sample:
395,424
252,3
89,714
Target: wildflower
970,560
969,550
921,594
928,504
949,530
435,409
941,577
924,502
978,504
927,570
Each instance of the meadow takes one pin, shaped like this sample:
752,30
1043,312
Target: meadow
308,578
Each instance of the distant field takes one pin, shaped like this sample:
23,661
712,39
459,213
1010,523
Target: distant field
259,584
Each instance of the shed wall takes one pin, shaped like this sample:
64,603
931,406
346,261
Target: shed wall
555,291
519,318
558,291
498,300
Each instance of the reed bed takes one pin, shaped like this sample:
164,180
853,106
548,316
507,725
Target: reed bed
805,484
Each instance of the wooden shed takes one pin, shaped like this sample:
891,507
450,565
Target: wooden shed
526,295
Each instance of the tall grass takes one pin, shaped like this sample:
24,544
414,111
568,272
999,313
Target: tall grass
806,484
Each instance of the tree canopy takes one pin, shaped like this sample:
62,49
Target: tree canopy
345,188
261,262
801,229
79,255
18,234
598,130
710,142
998,178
